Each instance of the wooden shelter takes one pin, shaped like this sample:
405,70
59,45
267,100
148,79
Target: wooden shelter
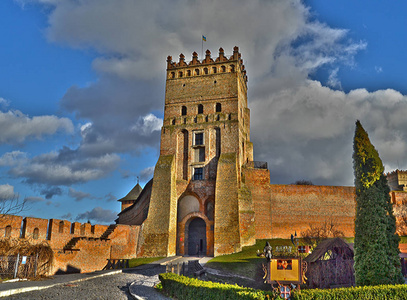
330,265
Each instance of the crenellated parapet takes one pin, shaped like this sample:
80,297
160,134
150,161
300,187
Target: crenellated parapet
222,64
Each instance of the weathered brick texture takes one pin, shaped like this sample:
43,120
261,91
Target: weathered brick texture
227,236
89,253
296,207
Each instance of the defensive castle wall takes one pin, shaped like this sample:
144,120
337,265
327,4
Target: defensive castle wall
77,247
295,207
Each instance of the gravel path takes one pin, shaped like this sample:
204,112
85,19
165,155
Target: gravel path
107,287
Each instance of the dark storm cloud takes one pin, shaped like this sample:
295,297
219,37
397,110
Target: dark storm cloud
98,214
51,192
79,195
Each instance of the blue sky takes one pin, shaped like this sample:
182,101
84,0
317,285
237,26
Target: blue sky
82,90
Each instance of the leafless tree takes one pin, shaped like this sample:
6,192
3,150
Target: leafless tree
317,233
12,206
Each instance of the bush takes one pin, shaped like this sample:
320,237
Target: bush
398,292
183,287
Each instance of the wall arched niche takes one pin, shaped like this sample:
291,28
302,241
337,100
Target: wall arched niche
186,205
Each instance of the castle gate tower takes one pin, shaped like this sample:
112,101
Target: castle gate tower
197,192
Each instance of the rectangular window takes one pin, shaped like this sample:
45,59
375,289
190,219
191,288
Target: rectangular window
200,154
199,138
198,174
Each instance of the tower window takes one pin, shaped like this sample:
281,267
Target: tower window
199,138
218,107
232,68
206,71
61,227
200,154
179,74
184,110
188,72
35,233
172,74
200,109
223,68
214,69
196,71
7,232
198,174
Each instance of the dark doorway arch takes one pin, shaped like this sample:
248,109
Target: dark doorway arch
197,237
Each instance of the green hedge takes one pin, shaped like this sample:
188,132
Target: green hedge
382,292
183,287
188,288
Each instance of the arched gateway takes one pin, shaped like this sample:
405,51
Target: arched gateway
196,233
194,228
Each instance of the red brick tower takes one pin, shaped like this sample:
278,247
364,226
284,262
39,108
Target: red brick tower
198,197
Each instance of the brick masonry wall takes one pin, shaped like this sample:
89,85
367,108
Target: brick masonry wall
159,231
89,254
92,256
14,222
227,236
29,224
295,207
258,181
246,217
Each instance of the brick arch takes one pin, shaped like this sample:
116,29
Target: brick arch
183,238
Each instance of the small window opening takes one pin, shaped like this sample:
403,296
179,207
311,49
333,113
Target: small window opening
214,69
200,109
7,232
198,173
196,71
172,74
200,154
188,72
232,68
180,74
218,107
61,227
195,120
36,233
173,121
206,71
184,111
217,118
223,68
199,138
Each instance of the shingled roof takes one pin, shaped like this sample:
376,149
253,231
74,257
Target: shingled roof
133,194
336,245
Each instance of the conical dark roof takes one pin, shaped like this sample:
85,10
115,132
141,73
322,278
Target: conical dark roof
133,194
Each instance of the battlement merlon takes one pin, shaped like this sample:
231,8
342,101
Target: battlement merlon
234,62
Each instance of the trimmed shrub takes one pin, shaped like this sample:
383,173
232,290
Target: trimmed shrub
187,288
382,292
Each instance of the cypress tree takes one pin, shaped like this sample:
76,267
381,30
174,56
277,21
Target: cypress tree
376,243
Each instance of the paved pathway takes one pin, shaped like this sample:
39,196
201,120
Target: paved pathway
135,283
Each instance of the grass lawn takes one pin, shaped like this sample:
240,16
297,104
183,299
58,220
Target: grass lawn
135,262
246,262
